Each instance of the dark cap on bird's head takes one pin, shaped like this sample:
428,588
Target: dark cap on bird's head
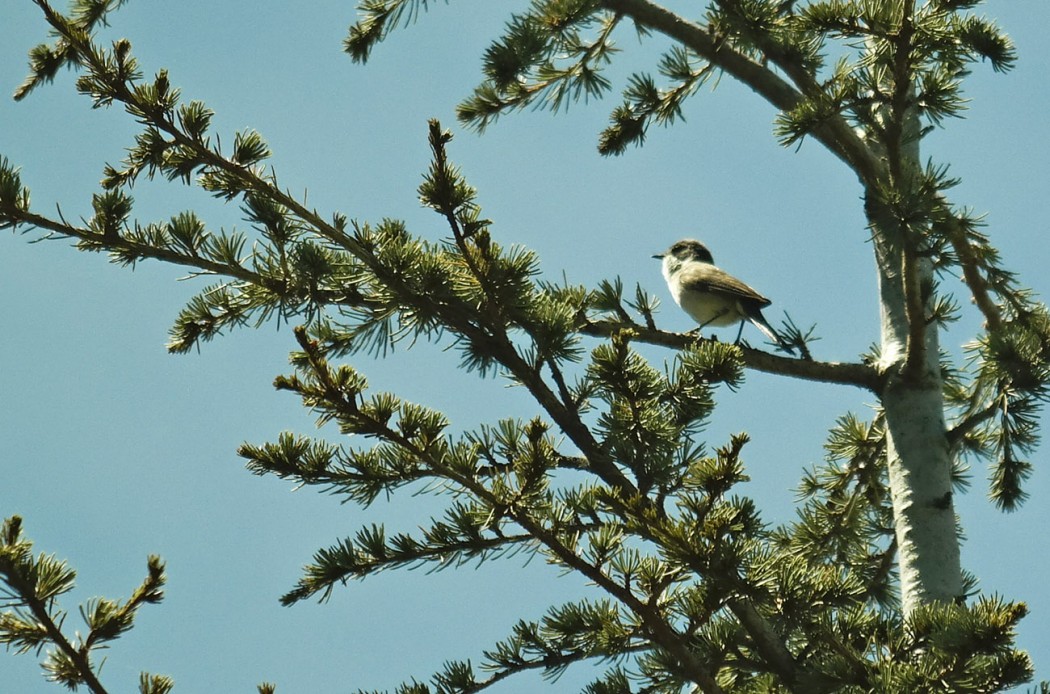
688,249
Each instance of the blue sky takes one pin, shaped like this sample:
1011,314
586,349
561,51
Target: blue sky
112,449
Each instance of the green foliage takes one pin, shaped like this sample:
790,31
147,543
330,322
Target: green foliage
32,621
544,59
941,45
1010,385
378,18
644,102
46,60
155,684
14,197
607,478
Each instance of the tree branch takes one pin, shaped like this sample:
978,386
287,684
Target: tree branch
902,151
970,265
12,575
145,251
494,332
577,431
552,661
662,633
851,374
834,133
75,655
914,307
972,421
767,641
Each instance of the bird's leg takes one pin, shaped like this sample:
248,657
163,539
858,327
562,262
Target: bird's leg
739,333
718,315
696,331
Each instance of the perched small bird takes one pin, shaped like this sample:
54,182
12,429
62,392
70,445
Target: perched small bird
710,295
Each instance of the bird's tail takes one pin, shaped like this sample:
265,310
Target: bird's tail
760,322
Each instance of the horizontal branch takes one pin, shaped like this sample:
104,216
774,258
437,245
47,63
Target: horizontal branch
843,373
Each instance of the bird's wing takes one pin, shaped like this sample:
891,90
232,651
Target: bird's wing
708,278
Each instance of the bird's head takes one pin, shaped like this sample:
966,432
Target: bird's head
685,251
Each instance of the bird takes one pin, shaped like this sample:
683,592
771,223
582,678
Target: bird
709,294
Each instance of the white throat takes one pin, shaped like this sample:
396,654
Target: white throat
672,267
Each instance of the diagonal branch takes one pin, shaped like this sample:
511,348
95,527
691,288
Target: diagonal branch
662,633
549,662
77,656
14,217
493,332
21,575
971,268
350,559
834,133
248,181
973,420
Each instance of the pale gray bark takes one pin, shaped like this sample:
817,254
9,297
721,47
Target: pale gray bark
919,462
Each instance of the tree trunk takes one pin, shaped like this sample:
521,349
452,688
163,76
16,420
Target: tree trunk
917,451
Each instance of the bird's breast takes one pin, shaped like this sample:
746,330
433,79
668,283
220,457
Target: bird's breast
708,309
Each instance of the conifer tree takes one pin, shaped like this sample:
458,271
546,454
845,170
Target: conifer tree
863,592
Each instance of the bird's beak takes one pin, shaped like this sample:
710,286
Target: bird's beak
659,256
